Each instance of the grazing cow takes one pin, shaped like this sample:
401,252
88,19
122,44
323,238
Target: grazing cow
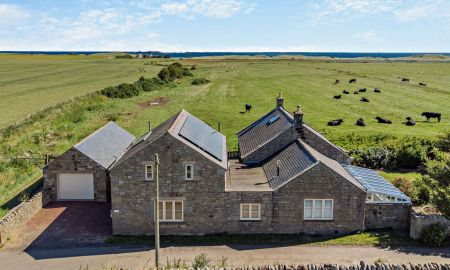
362,90
363,99
405,80
410,121
248,107
336,122
430,115
352,81
422,84
376,90
356,92
360,122
336,82
383,121
345,92
337,96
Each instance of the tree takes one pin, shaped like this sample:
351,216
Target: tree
438,179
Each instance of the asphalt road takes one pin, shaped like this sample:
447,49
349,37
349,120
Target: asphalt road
98,257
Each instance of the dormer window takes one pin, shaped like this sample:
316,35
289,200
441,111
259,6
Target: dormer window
273,120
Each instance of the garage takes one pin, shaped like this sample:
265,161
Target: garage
75,186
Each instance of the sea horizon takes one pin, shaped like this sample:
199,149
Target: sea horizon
268,54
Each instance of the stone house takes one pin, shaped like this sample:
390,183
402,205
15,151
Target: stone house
288,178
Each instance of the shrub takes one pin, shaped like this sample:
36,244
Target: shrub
200,81
434,235
164,75
374,157
24,196
124,90
223,262
443,142
148,85
421,195
404,185
200,261
411,156
194,67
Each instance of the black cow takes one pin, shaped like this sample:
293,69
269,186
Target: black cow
376,90
405,80
356,92
383,121
345,92
430,115
363,99
422,84
352,81
410,121
360,122
362,90
248,107
336,82
337,96
336,122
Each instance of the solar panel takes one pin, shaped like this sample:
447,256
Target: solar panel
374,182
203,136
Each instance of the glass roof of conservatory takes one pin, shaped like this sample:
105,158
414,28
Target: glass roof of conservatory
375,183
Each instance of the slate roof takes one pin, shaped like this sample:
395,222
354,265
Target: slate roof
147,139
263,131
293,160
106,144
374,182
191,131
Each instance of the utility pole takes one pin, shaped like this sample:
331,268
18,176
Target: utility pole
157,212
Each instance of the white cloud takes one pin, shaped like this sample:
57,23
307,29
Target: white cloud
433,9
12,14
209,8
367,36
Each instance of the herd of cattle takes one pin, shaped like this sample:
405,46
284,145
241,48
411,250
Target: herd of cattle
360,122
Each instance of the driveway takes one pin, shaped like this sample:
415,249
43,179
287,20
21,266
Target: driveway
64,225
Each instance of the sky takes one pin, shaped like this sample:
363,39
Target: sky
226,25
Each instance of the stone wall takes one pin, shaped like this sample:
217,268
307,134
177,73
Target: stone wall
387,216
271,147
20,214
323,146
421,221
208,208
73,161
362,266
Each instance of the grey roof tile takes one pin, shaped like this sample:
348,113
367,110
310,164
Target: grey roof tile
263,131
106,144
293,160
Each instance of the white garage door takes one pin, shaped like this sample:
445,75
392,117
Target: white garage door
75,186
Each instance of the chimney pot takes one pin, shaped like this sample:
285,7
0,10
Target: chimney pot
280,100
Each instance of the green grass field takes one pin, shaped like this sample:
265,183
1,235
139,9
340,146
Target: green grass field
28,83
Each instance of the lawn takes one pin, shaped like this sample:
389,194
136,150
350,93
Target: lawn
383,238
29,83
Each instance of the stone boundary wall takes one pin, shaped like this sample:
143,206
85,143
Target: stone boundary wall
420,221
361,266
20,214
387,216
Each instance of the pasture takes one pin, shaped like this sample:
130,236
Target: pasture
28,83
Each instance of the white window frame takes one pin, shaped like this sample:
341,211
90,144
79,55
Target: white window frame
146,172
250,209
322,211
186,172
162,218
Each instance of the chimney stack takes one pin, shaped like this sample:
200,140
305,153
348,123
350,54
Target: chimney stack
298,120
280,100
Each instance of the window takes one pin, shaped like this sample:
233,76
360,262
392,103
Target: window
320,209
189,174
171,211
148,172
250,211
